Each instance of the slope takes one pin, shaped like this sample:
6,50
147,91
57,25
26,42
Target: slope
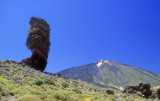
111,74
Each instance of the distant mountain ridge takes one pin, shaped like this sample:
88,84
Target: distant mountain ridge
111,74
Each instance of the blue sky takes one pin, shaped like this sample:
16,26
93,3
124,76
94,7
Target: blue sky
84,31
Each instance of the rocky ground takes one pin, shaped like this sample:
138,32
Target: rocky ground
19,82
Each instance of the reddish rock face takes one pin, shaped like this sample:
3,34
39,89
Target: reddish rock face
38,42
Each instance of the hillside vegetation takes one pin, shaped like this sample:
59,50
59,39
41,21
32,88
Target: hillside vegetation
19,82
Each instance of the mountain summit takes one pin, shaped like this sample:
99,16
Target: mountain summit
111,74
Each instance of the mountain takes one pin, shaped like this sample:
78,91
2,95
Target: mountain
111,74
20,82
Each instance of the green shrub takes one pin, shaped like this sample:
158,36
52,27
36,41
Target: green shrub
57,96
49,81
1,88
11,93
62,97
65,84
78,91
2,79
6,87
7,61
37,82
75,83
4,93
29,97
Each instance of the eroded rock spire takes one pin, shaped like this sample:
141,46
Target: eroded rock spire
38,42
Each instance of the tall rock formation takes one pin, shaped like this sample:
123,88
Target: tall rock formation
38,42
